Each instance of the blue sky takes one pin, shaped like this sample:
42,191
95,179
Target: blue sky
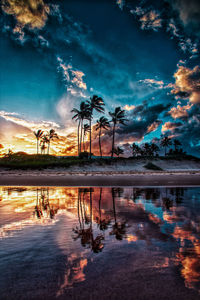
140,55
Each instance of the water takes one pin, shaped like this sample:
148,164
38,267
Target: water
99,243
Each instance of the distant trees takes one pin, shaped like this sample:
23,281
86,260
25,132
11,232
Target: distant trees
117,117
44,139
118,151
166,142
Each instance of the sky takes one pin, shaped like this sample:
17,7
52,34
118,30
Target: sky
140,55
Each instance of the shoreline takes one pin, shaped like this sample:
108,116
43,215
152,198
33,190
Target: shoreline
104,179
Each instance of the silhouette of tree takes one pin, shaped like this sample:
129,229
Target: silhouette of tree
117,151
117,117
51,136
135,149
38,134
176,143
154,149
166,142
102,123
95,103
86,128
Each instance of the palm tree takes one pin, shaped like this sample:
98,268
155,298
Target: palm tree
118,117
38,136
165,142
44,141
86,128
79,116
154,148
51,135
176,144
135,149
102,123
118,151
95,103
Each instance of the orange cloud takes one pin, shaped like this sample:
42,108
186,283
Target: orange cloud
179,111
170,126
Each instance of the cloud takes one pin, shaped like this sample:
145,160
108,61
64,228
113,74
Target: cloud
180,112
120,3
129,107
187,83
189,14
158,84
73,78
170,126
153,126
148,19
32,13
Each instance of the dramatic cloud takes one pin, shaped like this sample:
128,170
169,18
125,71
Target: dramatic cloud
32,13
121,3
171,126
180,112
187,83
189,13
129,107
148,19
72,78
153,126
158,84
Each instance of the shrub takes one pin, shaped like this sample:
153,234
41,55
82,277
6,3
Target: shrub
84,154
151,166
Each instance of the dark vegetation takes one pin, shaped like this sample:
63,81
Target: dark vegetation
21,160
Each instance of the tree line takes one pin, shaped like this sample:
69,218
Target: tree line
84,118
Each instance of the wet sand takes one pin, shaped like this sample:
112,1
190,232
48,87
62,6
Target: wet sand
51,178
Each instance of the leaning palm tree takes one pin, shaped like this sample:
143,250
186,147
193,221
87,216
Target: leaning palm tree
51,135
118,151
38,134
79,116
86,128
95,103
118,117
165,142
102,123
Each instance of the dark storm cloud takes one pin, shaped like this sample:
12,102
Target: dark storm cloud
189,13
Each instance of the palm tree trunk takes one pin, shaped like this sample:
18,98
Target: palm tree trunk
48,147
83,141
37,145
81,134
114,210
78,136
113,141
100,142
165,150
90,137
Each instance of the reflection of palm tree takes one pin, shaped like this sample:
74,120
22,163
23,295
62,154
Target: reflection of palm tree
119,229
103,224
102,123
42,204
38,136
117,117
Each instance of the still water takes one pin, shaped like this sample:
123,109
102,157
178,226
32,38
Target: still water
99,243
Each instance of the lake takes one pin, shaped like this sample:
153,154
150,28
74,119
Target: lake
99,243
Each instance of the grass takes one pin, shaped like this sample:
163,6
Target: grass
22,160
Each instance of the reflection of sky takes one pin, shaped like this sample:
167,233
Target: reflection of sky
172,233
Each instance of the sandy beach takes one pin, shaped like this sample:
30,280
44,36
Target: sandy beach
107,178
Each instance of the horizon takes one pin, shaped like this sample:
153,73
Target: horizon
140,55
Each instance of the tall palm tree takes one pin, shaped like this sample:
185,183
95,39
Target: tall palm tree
102,123
95,103
38,134
86,128
165,142
118,117
176,143
154,148
51,135
118,151
79,116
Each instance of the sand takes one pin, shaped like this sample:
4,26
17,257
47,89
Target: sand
109,178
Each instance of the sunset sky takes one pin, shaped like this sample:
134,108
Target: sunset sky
140,55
